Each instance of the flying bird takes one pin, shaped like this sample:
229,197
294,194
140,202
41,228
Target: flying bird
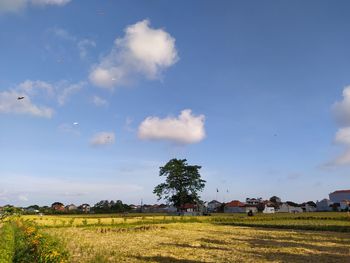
20,98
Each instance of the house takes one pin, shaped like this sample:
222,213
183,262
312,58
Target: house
345,205
213,206
236,206
269,210
324,205
289,207
85,208
340,195
71,208
309,206
253,201
188,208
57,206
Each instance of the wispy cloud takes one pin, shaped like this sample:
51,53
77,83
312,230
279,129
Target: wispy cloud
143,51
68,90
98,101
103,138
10,104
14,6
341,110
82,45
186,128
36,89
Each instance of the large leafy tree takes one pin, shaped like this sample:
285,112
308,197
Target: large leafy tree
182,185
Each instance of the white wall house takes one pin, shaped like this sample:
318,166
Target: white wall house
340,195
269,210
286,208
324,205
213,206
345,205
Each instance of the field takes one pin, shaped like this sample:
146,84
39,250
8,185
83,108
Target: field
308,237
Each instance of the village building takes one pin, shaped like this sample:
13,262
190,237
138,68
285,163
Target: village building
309,206
57,206
253,201
340,195
213,206
71,208
85,208
289,207
345,205
236,206
269,210
324,205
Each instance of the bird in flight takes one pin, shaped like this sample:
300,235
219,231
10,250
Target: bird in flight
20,98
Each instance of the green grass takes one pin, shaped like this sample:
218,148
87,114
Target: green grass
7,243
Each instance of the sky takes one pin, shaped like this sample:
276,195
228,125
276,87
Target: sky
255,92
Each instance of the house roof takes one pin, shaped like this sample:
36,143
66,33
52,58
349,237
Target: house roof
185,206
235,203
341,192
214,202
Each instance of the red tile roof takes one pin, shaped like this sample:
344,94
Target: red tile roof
235,203
341,192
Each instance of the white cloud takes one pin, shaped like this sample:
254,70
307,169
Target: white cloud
98,101
143,51
341,108
69,128
103,138
186,128
341,111
36,89
10,104
68,90
343,136
13,6
343,159
83,46
50,2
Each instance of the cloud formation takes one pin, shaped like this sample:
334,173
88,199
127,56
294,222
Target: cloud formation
34,90
98,101
14,6
103,138
186,128
82,44
143,51
341,110
68,90
10,104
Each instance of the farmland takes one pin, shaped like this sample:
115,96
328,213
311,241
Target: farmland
307,237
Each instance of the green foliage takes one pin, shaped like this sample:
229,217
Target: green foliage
7,243
182,184
31,245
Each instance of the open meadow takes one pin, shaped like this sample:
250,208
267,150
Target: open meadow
307,237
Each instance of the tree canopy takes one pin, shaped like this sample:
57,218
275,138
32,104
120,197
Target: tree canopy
182,185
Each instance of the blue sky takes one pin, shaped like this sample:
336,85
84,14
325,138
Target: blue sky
254,91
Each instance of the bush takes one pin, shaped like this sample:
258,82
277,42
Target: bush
31,245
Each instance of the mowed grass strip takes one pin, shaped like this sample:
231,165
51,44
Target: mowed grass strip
202,242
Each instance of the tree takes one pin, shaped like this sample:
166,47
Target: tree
182,185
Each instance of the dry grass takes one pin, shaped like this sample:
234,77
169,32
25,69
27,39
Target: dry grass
202,242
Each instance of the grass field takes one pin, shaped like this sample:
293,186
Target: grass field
218,238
